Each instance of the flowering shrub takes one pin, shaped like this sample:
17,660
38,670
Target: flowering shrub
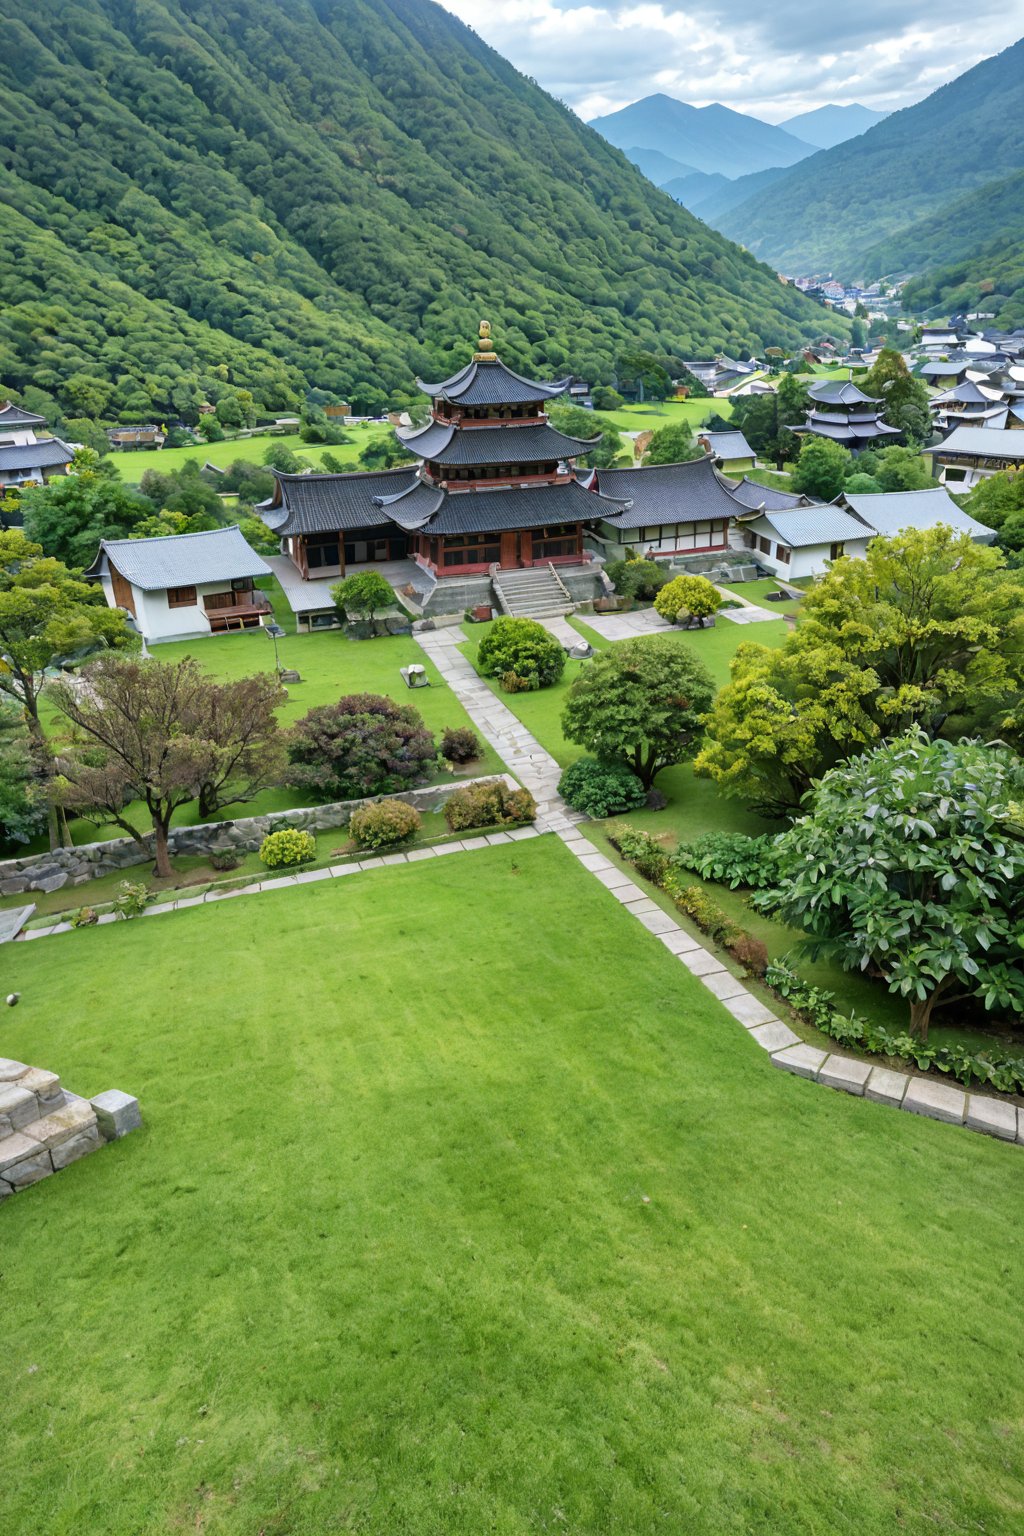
130,900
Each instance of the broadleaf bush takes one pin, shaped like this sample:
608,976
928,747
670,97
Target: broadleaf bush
460,745
730,858
601,789
524,648
489,805
384,824
289,846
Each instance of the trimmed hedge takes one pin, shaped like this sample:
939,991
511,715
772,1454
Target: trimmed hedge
522,654
289,846
489,805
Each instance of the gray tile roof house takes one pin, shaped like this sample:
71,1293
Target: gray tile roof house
982,443
764,497
894,512
727,445
804,527
13,416
26,457
180,560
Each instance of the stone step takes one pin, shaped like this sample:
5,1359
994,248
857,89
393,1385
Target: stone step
26,1094
43,1127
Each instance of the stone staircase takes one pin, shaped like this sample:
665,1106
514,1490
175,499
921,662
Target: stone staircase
44,1127
534,593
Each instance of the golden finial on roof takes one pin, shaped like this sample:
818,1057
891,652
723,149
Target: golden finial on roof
485,346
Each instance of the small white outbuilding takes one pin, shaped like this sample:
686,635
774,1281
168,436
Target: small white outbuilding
184,585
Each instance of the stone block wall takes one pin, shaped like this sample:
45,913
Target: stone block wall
44,1127
77,866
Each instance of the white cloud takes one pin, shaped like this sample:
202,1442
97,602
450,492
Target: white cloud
771,60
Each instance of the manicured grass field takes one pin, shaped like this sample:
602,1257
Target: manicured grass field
757,592
331,665
133,465
663,413
420,1237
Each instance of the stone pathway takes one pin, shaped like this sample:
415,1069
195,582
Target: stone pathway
562,631
647,621
785,1049
523,755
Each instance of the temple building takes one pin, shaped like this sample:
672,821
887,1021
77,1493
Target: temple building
493,511
842,412
494,486
25,458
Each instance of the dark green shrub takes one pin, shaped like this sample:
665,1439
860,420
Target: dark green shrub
489,805
730,858
601,789
640,850
642,579
289,846
460,745
365,744
384,824
522,647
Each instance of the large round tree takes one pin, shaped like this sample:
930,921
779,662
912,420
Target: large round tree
909,865
641,702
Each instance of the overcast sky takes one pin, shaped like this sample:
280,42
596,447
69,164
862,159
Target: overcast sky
772,58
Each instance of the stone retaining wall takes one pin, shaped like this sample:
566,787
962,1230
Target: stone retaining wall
77,866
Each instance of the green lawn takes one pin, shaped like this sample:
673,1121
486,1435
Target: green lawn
421,1238
663,413
133,465
757,592
331,665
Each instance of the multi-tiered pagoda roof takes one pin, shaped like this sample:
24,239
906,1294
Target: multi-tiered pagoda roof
845,414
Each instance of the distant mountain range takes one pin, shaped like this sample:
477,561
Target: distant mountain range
890,199
709,139
826,127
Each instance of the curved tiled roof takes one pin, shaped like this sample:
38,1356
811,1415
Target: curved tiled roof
800,527
491,510
670,493
491,383
181,559
889,512
14,416
331,503
727,445
764,497
446,443
41,455
983,442
839,392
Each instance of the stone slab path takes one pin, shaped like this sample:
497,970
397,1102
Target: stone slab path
647,621
522,753
12,920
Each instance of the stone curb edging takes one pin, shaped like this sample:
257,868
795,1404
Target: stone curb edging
847,1074
309,877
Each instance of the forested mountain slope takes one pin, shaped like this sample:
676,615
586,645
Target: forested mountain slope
956,233
830,210
324,193
989,280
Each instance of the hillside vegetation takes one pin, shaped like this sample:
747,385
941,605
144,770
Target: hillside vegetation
836,207
287,194
957,232
990,280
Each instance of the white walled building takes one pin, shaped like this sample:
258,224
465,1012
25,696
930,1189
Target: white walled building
185,585
798,542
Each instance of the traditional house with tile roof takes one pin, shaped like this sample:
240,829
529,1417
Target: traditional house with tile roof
185,585
971,454
25,458
729,451
671,510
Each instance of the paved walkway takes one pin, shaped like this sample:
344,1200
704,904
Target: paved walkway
522,753
647,621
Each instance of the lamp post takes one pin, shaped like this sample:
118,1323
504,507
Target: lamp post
276,633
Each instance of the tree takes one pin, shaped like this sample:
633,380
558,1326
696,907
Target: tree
927,629
364,593
640,702
278,457
79,429
384,453
210,429
673,444
523,648
861,484
693,595
165,734
908,865
897,469
365,744
607,399
574,421
858,333
821,468
46,614
643,375
998,502
71,514
906,398
22,787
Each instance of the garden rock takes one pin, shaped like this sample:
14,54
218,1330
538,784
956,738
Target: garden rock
117,1113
